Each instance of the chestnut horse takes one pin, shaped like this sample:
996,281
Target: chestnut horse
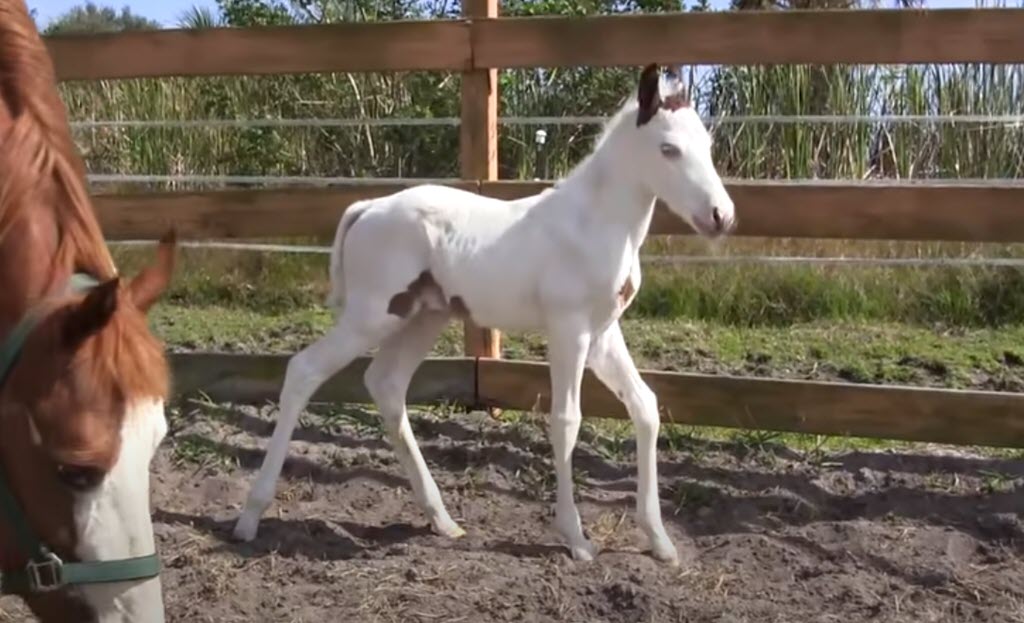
82,379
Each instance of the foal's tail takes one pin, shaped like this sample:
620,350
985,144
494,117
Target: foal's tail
337,276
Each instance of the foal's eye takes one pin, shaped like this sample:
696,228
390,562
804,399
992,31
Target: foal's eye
670,151
80,477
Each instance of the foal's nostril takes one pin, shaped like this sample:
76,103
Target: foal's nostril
716,216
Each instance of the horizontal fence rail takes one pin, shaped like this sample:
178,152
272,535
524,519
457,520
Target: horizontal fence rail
905,413
945,211
730,37
257,378
754,38
364,46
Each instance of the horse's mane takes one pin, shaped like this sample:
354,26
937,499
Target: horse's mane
40,168
40,163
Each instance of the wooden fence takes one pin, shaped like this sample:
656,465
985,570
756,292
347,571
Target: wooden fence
480,43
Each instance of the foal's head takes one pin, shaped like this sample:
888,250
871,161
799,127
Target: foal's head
670,153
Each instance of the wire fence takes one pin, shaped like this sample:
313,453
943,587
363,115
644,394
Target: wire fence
258,180
86,124
312,180
663,260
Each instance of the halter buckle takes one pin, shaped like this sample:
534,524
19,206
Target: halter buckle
45,575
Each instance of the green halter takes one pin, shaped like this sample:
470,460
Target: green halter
45,571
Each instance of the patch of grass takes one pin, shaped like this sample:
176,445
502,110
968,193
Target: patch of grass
741,295
764,295
690,496
538,483
259,282
200,451
365,421
233,329
612,439
997,482
852,352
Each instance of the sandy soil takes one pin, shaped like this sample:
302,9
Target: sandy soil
768,534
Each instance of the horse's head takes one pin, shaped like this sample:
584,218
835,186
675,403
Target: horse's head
82,378
671,154
83,416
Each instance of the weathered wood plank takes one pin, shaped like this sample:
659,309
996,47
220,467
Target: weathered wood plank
959,212
235,213
252,379
478,154
904,413
747,37
883,211
754,37
366,46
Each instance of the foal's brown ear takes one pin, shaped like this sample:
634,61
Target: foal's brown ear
91,314
648,96
146,287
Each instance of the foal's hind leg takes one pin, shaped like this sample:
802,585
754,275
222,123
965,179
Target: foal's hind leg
387,380
360,328
612,364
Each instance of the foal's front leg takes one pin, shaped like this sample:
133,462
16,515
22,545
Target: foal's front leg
568,342
612,364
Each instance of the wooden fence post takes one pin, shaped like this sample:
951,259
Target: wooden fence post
478,154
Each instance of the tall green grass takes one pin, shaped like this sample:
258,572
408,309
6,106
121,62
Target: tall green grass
756,150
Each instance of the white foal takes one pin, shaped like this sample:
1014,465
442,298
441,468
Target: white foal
564,262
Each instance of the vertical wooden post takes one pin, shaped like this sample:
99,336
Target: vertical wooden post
478,154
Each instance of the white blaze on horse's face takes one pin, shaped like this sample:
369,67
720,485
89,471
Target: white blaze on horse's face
673,153
113,520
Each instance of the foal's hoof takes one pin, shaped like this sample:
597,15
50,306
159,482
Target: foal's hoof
246,528
448,528
584,552
668,556
665,551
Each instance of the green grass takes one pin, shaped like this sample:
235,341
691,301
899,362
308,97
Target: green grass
756,295
854,352
742,294
200,451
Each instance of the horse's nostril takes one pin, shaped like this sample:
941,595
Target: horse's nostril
717,217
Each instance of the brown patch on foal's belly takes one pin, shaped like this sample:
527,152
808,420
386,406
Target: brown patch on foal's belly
626,292
458,307
425,289
402,304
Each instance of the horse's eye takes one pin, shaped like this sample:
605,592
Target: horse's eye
670,151
80,477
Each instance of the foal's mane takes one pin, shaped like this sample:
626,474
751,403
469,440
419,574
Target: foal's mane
40,169
626,107
38,159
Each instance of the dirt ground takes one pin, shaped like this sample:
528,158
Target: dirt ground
768,534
